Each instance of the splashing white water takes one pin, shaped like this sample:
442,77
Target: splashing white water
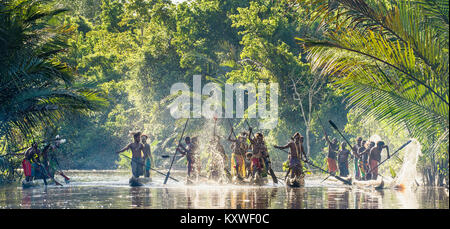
408,173
375,138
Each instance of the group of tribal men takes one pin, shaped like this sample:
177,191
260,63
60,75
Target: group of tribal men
42,164
366,156
249,159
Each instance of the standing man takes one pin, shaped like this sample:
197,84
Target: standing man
360,153
375,158
259,151
239,149
147,155
355,150
189,151
295,154
50,161
333,147
136,148
343,160
30,154
365,159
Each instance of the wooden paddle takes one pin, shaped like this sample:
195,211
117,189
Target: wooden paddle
335,127
271,172
150,168
176,151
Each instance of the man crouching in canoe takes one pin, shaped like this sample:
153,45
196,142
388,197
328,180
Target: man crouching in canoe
137,162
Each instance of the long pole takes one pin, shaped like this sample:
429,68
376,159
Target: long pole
176,151
335,127
150,168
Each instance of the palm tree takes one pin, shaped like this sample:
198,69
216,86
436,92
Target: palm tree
390,58
36,88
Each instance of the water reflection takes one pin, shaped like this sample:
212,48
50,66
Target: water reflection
93,193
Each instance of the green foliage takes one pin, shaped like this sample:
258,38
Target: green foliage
38,89
390,60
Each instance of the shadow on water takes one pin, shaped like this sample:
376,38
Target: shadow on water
103,190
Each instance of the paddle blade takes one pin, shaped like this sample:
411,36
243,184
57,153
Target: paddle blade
404,145
332,124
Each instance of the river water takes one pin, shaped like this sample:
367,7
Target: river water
110,189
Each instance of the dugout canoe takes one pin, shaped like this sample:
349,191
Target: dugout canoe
373,184
136,182
295,182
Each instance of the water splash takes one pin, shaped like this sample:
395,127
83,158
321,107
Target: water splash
375,138
406,178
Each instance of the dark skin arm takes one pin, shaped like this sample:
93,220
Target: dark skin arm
326,138
124,149
250,135
182,149
283,147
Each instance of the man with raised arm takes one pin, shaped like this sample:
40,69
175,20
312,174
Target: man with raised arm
333,147
295,154
375,158
239,149
189,151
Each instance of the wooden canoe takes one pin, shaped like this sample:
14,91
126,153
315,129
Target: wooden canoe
136,182
35,183
295,182
349,179
376,184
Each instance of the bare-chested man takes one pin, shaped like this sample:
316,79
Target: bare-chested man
239,149
355,150
30,155
147,155
365,159
260,158
136,148
333,147
359,154
343,160
375,158
50,162
296,152
190,152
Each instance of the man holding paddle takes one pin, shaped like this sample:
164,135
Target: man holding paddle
295,153
189,151
333,147
136,148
